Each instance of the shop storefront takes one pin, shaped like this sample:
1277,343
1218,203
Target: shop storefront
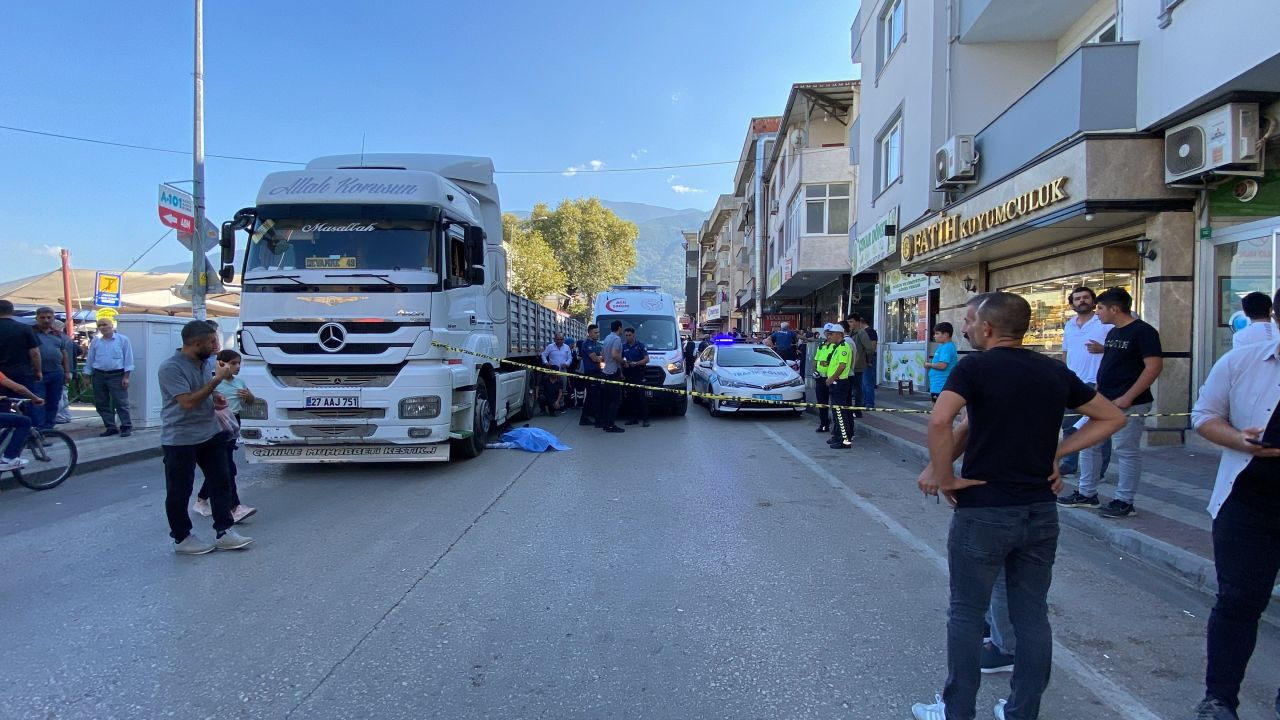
873,251
908,313
1234,262
1094,213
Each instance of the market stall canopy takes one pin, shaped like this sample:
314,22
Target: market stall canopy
143,292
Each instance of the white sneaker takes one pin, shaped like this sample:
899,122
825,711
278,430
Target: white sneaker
999,709
201,508
936,711
232,540
12,464
192,545
240,512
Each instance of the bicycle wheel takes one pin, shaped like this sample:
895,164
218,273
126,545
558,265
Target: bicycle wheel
48,466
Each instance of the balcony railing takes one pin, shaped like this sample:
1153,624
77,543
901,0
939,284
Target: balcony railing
1094,89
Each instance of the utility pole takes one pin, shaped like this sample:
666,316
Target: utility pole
198,278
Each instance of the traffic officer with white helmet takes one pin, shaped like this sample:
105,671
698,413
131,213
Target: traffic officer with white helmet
821,357
840,387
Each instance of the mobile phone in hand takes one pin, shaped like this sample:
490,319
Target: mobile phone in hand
1259,443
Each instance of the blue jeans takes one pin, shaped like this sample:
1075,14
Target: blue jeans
1022,541
1126,445
869,386
1071,463
1002,634
50,390
21,426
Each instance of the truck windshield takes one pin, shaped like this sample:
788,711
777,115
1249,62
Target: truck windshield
657,332
343,245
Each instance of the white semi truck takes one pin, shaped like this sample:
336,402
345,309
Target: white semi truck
374,312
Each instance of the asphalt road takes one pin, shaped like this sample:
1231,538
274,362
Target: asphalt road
700,568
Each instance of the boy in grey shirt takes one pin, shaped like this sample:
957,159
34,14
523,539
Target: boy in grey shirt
190,435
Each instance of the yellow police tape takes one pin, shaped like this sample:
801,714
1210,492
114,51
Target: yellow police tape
711,396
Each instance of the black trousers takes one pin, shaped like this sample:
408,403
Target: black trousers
591,405
841,397
611,400
637,403
231,474
1246,553
822,397
180,462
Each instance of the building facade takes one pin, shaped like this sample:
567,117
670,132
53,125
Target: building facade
1029,153
808,190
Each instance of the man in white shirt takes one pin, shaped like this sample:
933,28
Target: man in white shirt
1256,307
1239,409
1084,362
558,356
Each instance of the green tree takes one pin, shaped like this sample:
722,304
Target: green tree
594,247
532,268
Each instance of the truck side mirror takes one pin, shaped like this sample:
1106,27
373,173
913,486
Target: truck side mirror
227,241
475,275
475,241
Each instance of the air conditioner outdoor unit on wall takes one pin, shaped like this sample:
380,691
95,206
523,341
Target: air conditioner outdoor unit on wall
1223,141
955,163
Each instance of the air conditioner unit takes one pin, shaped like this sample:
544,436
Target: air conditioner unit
773,208
1223,141
955,163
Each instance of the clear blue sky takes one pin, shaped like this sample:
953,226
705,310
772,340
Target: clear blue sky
535,86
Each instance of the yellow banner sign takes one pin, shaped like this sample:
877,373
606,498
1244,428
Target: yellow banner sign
950,229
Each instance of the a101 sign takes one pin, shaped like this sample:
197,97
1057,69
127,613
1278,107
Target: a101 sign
177,209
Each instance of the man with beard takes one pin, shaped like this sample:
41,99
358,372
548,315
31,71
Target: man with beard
1076,336
1005,518
191,435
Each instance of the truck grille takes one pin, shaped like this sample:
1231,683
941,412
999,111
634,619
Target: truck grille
306,376
336,414
653,375
351,348
311,327
333,431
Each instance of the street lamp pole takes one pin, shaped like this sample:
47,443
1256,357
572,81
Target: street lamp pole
198,278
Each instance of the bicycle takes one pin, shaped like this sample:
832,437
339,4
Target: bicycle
51,454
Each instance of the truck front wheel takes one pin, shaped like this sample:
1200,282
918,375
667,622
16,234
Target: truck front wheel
481,424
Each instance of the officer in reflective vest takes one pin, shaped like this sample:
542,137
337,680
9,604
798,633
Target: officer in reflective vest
840,387
821,356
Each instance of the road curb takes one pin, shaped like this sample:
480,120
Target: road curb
89,465
1185,566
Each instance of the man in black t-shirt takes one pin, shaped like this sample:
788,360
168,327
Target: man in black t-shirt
19,352
1005,517
1131,362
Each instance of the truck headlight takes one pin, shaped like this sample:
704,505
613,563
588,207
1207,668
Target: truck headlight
426,406
675,367
256,410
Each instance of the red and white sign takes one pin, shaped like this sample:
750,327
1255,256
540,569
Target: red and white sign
617,305
177,209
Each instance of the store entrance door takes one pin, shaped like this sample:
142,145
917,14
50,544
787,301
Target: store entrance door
1242,260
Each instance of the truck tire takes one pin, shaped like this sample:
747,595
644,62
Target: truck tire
481,424
682,405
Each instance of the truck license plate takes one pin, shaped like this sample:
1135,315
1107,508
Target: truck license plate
768,397
333,401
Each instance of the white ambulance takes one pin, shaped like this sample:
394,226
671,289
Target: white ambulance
657,324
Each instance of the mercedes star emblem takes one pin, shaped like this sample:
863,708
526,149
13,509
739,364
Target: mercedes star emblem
332,337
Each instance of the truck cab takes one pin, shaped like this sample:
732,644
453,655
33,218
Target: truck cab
374,311
656,321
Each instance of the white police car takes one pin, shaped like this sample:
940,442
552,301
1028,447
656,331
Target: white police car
747,373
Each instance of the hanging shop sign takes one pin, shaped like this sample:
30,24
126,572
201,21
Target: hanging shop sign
950,229
874,245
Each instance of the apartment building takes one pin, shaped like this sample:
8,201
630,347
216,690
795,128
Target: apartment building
809,189
1024,146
